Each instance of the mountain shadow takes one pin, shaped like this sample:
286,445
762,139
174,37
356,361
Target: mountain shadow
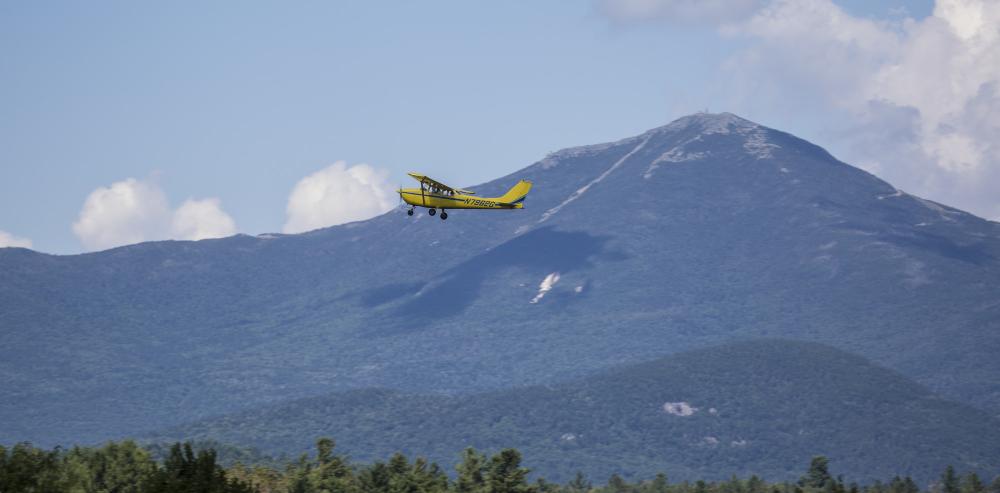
449,294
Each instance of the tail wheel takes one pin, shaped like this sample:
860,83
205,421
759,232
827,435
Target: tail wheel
431,212
409,212
444,215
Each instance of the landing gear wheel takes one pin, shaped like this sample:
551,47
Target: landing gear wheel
431,212
444,215
409,212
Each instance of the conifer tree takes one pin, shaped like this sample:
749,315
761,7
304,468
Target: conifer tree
374,479
995,485
505,474
427,477
185,471
659,484
579,484
972,484
119,467
949,481
27,468
818,476
543,486
617,485
471,472
331,473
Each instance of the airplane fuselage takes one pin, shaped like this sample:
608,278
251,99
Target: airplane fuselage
438,200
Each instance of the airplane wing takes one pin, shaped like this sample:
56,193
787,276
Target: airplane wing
434,183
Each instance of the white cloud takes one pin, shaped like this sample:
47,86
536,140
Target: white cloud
336,195
200,219
915,101
132,211
9,240
126,212
677,11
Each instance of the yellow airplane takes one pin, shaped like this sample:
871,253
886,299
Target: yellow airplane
433,195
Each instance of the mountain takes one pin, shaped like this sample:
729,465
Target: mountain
753,407
707,230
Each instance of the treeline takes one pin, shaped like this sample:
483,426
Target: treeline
126,467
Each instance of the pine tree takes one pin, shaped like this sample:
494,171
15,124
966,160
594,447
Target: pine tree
471,472
505,474
375,478
617,485
579,484
818,476
427,477
119,467
660,484
896,485
184,471
543,486
733,485
398,464
332,473
949,481
27,468
995,485
298,475
324,450
972,484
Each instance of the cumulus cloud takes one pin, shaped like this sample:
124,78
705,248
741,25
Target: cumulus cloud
914,101
9,240
337,194
200,219
677,11
132,211
126,212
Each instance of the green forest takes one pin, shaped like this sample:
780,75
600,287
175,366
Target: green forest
127,467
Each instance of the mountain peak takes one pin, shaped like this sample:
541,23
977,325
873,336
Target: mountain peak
697,123
708,123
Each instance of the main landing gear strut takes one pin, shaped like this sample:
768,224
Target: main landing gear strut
430,212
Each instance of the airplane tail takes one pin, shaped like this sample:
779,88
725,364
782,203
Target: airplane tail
515,196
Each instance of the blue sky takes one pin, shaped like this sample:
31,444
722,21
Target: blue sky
239,102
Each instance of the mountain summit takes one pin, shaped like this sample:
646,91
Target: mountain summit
707,230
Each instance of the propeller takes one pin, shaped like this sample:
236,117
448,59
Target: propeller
399,191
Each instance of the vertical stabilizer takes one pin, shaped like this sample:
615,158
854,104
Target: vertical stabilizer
517,193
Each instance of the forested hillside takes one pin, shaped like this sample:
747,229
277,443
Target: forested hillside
747,408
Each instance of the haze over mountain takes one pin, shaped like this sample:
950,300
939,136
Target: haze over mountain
707,230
